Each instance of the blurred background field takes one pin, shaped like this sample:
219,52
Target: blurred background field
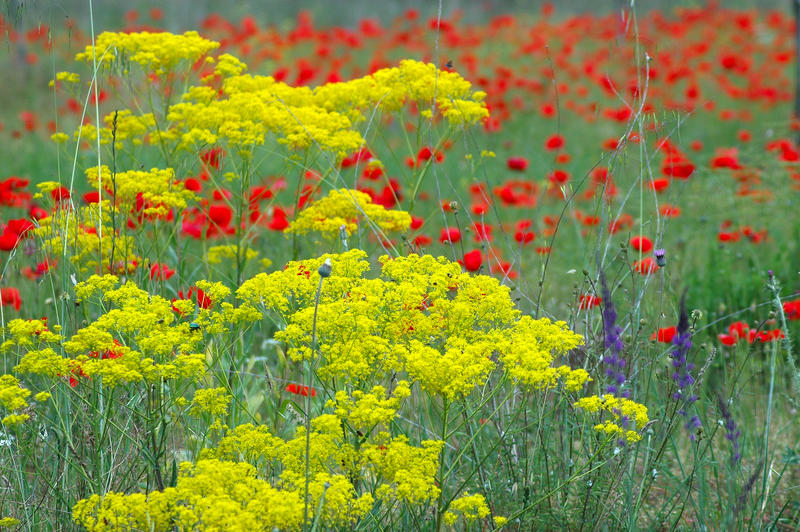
612,134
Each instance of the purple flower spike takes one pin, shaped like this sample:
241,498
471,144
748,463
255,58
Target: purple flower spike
615,363
682,367
731,432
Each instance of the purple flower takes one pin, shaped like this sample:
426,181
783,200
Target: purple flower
731,432
614,362
682,368
661,257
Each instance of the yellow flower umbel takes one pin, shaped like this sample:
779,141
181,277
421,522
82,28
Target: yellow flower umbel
445,328
136,339
251,107
156,188
346,208
363,411
229,252
470,507
628,417
12,398
528,355
120,126
208,495
154,52
75,235
407,472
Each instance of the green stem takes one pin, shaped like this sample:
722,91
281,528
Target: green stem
440,506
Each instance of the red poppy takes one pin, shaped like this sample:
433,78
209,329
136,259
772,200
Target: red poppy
356,157
422,240
220,214
677,167
203,301
728,236
659,185
10,296
665,334
278,221
554,142
212,157
726,158
190,183
558,177
589,301
669,211
646,266
60,194
792,309
482,232
727,339
524,237
426,153
641,243
161,272
298,389
91,197
519,164
473,260
450,234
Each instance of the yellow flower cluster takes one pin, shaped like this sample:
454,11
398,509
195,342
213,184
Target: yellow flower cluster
530,363
217,254
138,340
345,208
12,397
363,411
208,496
470,507
128,127
424,316
403,471
28,333
154,52
156,187
213,401
252,106
226,481
229,65
244,119
293,288
631,415
67,77
408,472
75,234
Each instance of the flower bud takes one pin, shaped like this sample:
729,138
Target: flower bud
325,269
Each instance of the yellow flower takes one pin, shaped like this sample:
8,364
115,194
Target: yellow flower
12,394
628,416
470,507
213,401
15,419
206,496
154,52
407,472
217,254
365,410
346,208
156,187
42,396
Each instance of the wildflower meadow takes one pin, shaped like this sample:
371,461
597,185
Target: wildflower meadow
479,267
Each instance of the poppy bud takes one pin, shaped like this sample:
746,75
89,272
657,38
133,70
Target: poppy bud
325,269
